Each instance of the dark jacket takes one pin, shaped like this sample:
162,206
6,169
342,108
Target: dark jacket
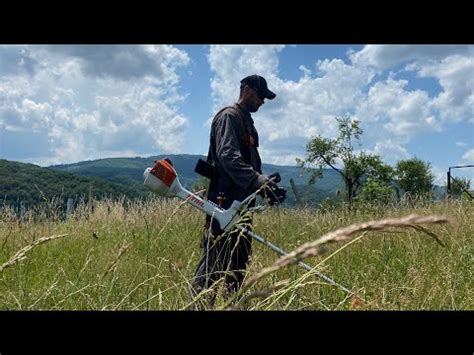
234,152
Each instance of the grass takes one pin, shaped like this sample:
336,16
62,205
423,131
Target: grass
142,256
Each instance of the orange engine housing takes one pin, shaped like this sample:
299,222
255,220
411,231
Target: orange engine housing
164,171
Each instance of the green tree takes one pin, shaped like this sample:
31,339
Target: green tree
460,187
356,167
414,176
375,191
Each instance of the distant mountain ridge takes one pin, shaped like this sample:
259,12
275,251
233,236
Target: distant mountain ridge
117,177
129,171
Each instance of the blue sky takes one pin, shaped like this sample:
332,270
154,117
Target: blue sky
62,104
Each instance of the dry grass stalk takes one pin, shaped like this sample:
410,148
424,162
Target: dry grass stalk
46,294
21,254
112,266
299,281
317,247
182,203
134,289
260,294
73,293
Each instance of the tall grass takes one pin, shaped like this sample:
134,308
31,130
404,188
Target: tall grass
120,255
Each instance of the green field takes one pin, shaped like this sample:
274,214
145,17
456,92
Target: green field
141,256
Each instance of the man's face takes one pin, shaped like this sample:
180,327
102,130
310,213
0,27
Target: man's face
256,99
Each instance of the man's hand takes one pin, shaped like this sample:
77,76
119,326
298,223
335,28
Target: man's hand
264,180
276,195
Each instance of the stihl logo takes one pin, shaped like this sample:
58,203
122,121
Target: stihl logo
196,201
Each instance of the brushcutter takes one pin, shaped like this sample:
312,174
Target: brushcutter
163,180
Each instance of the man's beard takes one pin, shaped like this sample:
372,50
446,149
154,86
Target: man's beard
254,108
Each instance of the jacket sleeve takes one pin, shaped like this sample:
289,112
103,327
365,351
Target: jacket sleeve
227,131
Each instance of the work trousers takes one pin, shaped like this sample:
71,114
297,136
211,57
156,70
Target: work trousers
224,255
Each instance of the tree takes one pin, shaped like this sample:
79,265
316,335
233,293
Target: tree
460,187
356,168
414,176
375,191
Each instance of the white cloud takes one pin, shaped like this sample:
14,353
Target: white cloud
469,156
392,152
305,70
387,56
125,62
451,65
88,102
461,144
391,111
456,76
231,63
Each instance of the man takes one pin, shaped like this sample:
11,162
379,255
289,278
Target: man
237,173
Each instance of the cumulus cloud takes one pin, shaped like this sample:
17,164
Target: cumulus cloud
451,65
88,104
392,152
387,56
390,110
230,64
456,76
126,61
469,156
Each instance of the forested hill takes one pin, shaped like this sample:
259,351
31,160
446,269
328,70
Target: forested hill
29,184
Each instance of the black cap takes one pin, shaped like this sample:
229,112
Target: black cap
258,83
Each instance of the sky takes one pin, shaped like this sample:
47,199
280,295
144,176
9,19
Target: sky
69,103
